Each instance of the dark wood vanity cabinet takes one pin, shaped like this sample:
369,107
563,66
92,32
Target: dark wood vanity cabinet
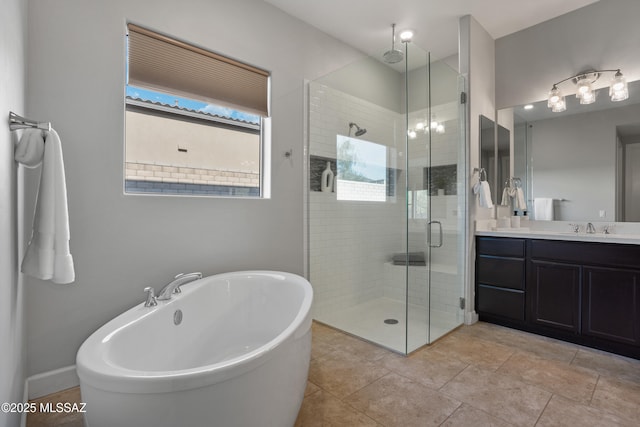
500,268
554,295
584,292
611,304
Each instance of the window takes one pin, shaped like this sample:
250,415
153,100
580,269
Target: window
362,170
196,122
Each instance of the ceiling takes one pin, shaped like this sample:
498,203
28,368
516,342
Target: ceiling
366,24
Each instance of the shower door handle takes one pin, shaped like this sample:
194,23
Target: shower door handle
431,245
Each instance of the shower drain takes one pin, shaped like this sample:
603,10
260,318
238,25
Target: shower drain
391,321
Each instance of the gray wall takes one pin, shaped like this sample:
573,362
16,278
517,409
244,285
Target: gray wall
430,85
574,158
477,54
123,243
371,80
632,182
602,35
13,27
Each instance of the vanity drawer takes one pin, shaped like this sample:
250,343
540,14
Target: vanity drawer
507,247
500,272
594,253
506,303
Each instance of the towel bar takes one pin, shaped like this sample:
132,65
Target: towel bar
513,181
17,122
481,171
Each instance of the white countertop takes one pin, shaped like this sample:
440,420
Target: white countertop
558,232
576,237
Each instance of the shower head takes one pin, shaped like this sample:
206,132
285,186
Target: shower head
394,55
359,131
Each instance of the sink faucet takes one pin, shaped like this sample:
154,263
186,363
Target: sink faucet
174,286
590,228
575,227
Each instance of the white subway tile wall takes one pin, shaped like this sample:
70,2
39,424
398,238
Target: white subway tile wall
350,240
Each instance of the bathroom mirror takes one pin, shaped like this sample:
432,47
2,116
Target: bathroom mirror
495,150
584,158
503,159
488,151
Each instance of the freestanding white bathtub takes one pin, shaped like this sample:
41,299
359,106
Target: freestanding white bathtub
239,357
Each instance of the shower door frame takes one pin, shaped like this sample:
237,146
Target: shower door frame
433,227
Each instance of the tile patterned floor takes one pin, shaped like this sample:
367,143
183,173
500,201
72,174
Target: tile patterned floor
480,375
61,419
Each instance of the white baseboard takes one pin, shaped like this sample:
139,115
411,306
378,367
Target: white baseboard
51,382
470,318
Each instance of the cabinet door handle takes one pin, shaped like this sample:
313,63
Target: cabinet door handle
431,244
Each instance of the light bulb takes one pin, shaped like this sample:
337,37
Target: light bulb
618,91
412,134
584,89
616,86
620,95
420,126
588,98
406,35
555,96
559,106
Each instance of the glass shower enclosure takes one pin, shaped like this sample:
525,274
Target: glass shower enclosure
386,202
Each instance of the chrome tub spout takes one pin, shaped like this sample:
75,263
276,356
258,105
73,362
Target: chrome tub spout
174,286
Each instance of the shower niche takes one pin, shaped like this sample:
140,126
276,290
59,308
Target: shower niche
385,247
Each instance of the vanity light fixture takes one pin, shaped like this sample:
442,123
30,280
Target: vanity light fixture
618,90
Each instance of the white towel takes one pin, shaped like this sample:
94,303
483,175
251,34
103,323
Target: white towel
520,202
543,209
482,188
506,198
31,148
507,194
48,255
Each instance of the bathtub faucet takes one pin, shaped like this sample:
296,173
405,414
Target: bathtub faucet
174,286
151,298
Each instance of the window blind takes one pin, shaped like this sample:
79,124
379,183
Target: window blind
158,62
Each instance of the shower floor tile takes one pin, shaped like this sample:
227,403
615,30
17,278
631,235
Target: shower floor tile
367,320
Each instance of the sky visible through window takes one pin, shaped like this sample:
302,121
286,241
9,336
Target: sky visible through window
190,104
